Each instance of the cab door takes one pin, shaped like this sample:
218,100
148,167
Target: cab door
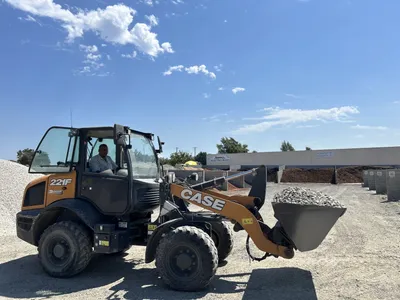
57,156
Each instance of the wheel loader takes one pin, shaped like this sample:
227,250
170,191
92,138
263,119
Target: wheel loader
72,211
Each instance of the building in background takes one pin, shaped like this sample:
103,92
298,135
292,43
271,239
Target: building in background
377,156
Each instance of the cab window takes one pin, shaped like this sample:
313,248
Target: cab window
55,152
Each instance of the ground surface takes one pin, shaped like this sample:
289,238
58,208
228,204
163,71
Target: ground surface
360,259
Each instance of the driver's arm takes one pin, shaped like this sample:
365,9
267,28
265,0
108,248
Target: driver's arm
115,167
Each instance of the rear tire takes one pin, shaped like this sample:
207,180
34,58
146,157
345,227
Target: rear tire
223,238
187,259
65,249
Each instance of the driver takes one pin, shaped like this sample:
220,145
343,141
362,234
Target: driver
102,161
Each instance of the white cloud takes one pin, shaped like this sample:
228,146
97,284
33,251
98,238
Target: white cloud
112,24
173,69
29,18
218,68
153,20
167,47
133,55
92,62
307,126
396,102
293,96
369,127
215,118
148,2
190,70
220,88
206,95
276,116
238,89
89,49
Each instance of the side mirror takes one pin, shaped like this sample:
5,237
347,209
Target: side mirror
119,137
194,176
160,149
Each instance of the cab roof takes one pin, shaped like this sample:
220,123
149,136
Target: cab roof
108,132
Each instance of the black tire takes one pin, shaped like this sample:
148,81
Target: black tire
222,236
193,249
77,242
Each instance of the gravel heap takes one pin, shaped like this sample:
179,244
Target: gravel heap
13,179
305,196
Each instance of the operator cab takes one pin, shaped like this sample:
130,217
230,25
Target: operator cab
133,187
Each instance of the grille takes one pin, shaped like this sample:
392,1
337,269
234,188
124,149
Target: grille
24,223
148,196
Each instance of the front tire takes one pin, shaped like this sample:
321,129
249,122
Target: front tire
65,249
187,259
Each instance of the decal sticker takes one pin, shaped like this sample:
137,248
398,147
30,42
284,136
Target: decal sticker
392,174
247,221
60,181
206,200
379,173
104,243
151,227
56,192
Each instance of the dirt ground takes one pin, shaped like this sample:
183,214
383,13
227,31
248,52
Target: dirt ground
360,259
351,174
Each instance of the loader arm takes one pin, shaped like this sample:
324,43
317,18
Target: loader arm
235,208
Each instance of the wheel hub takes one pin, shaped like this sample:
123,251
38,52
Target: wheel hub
184,261
59,250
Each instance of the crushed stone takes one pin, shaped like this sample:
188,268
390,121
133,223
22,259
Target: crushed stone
13,179
305,196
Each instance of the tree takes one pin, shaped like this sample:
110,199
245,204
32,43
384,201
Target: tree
286,146
180,157
25,156
230,145
202,158
308,148
164,161
42,159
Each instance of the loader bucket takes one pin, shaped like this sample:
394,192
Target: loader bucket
306,225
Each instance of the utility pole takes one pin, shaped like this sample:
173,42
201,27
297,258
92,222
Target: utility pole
176,150
195,151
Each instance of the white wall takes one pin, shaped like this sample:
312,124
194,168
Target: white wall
355,157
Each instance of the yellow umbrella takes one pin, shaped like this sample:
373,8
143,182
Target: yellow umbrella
190,163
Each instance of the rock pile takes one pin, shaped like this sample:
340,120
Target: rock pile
13,179
305,196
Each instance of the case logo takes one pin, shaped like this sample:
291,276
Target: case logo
207,200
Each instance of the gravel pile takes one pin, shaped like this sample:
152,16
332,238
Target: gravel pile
305,196
13,179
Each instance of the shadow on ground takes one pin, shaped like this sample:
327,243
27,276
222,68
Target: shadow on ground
390,201
24,278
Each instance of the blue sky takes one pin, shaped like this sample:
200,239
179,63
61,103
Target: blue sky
322,74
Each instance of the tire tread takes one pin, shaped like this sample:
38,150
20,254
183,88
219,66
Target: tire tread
83,251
